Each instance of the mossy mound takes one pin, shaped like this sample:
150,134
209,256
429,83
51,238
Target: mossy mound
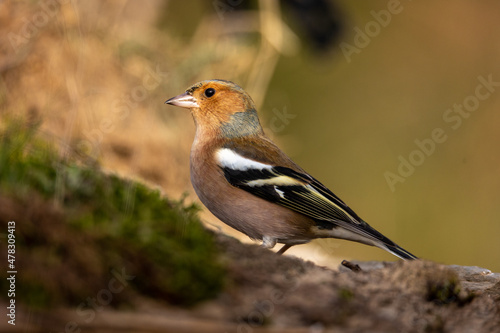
83,236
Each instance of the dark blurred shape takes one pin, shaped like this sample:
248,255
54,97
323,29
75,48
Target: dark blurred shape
318,23
319,20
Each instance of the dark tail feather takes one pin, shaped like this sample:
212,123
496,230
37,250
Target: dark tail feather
375,238
386,244
399,252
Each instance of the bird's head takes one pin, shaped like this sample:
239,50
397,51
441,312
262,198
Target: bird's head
220,106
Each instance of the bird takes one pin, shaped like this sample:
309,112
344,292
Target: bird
250,184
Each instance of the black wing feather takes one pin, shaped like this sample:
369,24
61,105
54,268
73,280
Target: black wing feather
308,196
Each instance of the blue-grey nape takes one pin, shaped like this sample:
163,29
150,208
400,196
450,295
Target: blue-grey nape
242,124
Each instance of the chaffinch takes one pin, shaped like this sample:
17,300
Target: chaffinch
246,181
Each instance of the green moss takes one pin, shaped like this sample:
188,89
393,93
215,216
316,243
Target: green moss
75,226
447,291
346,294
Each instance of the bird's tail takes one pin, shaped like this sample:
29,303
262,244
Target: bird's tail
398,251
386,244
370,236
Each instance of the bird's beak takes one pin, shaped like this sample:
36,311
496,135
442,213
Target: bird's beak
184,101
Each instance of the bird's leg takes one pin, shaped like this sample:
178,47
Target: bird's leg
284,248
268,242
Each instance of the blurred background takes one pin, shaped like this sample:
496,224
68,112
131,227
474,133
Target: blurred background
391,104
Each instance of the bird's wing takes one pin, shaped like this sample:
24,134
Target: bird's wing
302,193
297,191
291,187
285,186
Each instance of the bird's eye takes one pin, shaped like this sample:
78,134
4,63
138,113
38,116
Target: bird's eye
209,92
